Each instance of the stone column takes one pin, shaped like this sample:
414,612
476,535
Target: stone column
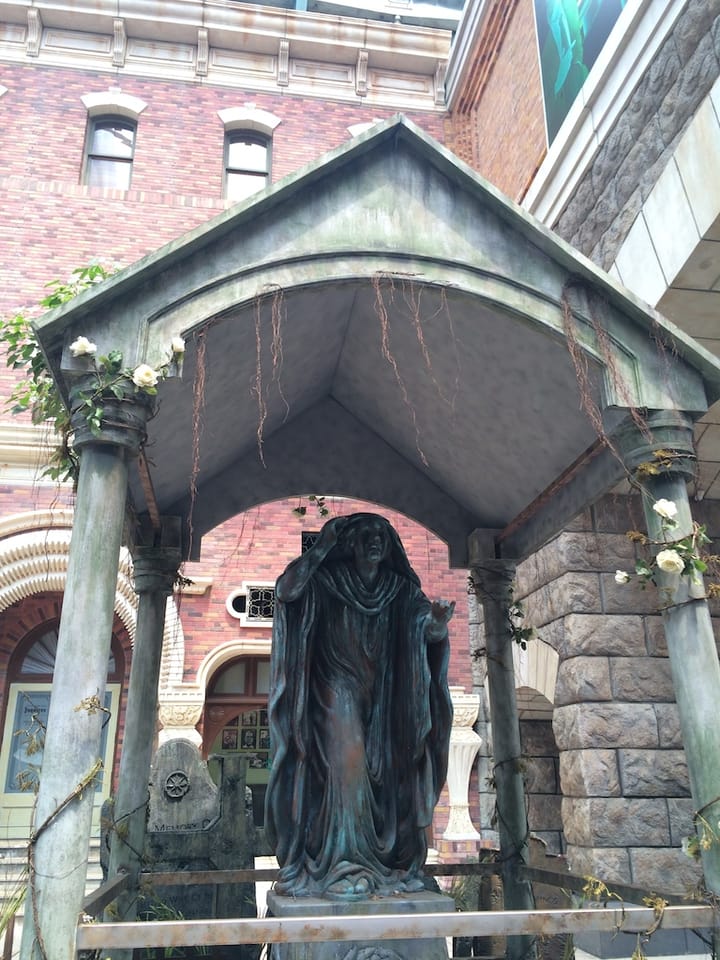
492,582
59,842
478,665
682,602
155,570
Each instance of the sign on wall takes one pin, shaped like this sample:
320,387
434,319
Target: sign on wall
571,34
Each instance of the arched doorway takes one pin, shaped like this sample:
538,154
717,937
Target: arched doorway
536,671
236,722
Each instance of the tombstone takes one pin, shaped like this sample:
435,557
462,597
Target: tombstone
195,825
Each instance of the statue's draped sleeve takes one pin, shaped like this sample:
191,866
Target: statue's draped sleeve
290,733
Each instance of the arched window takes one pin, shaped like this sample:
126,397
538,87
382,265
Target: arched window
110,152
247,163
30,676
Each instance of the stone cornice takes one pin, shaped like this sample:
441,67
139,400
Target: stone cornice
220,40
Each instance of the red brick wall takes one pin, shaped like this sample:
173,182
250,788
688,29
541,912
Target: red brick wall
52,224
499,125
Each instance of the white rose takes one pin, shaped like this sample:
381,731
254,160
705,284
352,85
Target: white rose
667,509
670,561
82,347
144,376
622,576
177,346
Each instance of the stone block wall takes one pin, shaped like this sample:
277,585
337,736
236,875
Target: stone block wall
542,782
624,806
606,203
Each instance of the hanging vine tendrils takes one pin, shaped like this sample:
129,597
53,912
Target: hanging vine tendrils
411,294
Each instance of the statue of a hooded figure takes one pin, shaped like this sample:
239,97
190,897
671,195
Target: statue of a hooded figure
360,715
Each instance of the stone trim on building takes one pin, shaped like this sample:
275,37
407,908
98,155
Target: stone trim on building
603,193
115,102
255,48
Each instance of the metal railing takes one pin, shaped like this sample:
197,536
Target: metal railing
611,916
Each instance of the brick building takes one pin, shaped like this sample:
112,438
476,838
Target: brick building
124,127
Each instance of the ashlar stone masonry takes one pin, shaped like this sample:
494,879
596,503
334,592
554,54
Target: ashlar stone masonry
620,805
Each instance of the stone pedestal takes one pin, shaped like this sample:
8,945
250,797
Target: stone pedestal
410,903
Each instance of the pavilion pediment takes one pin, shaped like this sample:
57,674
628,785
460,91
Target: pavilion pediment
391,287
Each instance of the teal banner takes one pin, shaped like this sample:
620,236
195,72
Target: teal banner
571,34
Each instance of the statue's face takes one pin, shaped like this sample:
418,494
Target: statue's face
371,542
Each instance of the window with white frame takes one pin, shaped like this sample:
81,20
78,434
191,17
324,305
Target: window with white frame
253,604
247,164
110,152
111,137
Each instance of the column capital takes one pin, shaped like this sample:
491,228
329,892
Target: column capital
664,442
492,579
122,422
155,569
157,556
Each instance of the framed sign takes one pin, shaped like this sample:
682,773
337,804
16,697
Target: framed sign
24,739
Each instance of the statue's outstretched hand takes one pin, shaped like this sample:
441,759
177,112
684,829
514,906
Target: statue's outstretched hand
440,613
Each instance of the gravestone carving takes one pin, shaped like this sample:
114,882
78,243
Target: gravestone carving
360,716
195,825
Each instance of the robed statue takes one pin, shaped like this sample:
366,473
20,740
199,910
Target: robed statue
360,715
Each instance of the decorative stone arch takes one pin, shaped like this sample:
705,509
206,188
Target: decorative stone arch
181,703
34,552
536,670
113,102
231,650
189,710
249,117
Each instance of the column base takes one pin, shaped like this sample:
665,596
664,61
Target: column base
407,903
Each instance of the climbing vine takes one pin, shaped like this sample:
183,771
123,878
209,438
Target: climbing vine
108,379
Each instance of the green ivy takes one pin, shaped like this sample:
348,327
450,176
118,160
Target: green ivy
107,378
37,393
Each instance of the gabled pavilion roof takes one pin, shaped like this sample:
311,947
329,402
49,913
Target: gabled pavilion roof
384,324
